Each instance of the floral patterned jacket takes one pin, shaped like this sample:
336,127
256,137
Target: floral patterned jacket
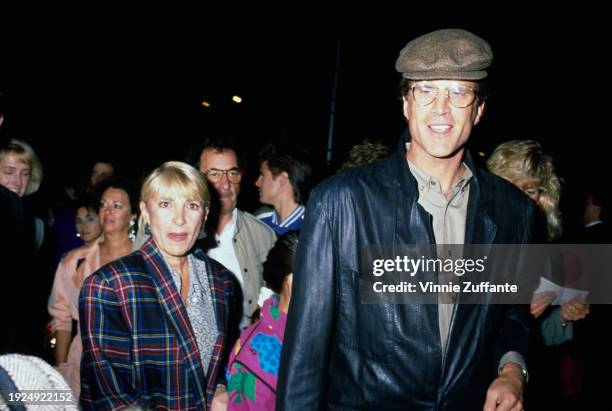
254,361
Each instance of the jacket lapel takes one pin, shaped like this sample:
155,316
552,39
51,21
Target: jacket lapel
480,229
173,305
413,226
217,291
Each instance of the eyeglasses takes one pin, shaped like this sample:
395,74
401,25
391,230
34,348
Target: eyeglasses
233,175
459,96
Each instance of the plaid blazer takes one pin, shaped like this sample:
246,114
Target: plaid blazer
138,343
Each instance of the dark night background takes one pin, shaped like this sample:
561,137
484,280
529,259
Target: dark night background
130,90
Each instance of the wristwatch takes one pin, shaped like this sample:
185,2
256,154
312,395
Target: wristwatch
524,372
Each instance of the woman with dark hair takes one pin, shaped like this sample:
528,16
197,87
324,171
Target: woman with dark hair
254,361
117,217
87,220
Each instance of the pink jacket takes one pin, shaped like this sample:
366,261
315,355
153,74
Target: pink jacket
254,361
63,303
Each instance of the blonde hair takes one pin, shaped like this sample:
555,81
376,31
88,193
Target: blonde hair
171,179
24,153
524,160
175,179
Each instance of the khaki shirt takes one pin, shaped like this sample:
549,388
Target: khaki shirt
449,215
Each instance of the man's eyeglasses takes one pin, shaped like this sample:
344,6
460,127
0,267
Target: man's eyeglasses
459,96
233,175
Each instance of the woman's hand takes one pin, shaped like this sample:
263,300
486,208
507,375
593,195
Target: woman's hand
574,310
220,399
540,302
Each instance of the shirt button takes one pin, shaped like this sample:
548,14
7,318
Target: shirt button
245,270
433,183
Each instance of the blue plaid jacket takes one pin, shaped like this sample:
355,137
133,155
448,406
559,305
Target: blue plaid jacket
138,344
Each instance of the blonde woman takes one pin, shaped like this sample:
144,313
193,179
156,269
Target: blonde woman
20,169
155,323
21,172
527,166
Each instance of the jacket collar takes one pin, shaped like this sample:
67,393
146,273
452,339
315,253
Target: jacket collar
217,292
239,221
480,228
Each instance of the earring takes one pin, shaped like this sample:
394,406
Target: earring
78,235
147,228
132,232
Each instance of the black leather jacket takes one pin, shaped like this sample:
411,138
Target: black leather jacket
340,354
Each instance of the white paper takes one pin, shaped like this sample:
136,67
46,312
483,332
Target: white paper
563,295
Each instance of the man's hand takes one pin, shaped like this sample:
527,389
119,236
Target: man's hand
220,399
540,302
506,391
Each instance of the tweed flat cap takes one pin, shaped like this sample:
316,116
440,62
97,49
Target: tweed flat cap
452,54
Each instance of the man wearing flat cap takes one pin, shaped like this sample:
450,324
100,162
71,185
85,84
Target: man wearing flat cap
342,354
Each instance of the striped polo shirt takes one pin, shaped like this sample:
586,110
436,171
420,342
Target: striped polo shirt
292,222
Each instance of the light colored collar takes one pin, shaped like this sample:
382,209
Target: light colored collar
425,179
592,223
229,229
294,216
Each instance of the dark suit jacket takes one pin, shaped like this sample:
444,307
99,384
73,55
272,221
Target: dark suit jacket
594,334
341,354
17,270
11,223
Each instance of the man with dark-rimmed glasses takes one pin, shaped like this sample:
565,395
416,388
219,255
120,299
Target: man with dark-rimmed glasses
241,241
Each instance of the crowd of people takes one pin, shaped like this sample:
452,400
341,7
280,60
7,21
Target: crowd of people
165,294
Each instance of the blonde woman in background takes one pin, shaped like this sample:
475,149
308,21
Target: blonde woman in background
527,166
524,164
21,172
20,168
